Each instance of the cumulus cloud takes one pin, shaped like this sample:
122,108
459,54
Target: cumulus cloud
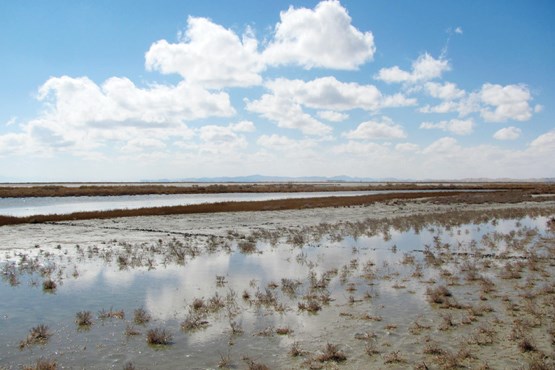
424,68
456,126
287,114
209,55
362,148
459,30
243,126
445,145
320,37
445,91
285,144
510,102
373,130
141,144
332,116
544,143
407,147
80,101
508,133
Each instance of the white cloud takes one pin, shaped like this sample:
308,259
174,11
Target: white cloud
459,30
445,91
141,144
407,147
509,102
362,148
15,144
287,114
397,100
445,145
323,37
11,121
332,116
544,143
372,130
210,55
424,68
243,126
79,101
507,133
456,126
285,144
327,93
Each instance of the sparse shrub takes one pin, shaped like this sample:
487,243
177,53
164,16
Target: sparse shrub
37,335
194,321
295,350
394,358
83,318
49,285
331,353
111,314
141,317
526,345
159,336
42,364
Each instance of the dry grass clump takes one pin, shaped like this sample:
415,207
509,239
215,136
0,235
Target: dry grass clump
141,317
247,247
526,345
331,353
83,319
394,358
311,306
296,350
159,336
130,330
284,331
37,335
111,314
483,335
42,364
289,286
438,294
194,321
253,365
49,285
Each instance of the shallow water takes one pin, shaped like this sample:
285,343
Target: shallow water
22,207
366,278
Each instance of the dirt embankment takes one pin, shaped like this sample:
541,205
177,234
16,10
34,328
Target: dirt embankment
144,189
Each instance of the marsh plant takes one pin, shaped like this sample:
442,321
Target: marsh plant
83,319
159,336
37,335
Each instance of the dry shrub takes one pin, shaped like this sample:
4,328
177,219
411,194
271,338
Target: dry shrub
331,353
394,358
42,364
141,317
37,335
83,318
159,336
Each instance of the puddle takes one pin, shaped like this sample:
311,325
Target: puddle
363,292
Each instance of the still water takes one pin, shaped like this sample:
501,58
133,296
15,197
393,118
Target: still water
120,276
22,207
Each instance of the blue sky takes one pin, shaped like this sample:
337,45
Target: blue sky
129,90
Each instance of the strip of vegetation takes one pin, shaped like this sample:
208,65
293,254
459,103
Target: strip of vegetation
269,205
145,189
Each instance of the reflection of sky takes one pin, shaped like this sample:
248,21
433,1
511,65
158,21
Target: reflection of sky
50,205
167,290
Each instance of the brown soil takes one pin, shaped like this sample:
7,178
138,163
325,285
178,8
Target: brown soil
109,190
269,205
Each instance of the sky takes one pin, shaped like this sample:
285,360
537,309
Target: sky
130,90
